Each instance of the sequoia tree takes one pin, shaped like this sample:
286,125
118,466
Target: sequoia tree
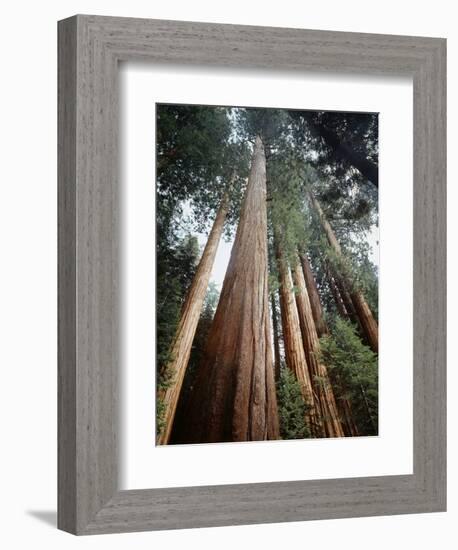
180,349
296,359
312,290
342,142
337,385
342,149
318,371
356,367
366,319
301,254
234,393
338,300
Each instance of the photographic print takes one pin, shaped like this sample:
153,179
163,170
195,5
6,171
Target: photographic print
267,273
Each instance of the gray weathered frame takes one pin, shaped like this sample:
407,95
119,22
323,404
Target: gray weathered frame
90,48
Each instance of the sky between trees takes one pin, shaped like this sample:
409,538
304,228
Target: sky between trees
267,274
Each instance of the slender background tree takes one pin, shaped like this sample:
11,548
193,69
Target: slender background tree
299,301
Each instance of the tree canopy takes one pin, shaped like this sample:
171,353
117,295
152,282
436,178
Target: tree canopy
321,204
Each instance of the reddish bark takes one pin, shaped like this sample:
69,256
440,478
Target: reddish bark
342,401
346,415
234,394
314,296
321,384
181,346
366,319
346,299
295,356
337,297
368,323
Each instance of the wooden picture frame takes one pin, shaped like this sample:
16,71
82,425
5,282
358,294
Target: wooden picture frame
90,48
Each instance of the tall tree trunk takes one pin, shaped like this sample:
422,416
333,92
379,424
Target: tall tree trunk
314,296
353,315
342,401
341,149
318,372
349,425
368,323
234,395
275,327
190,313
348,302
342,310
294,349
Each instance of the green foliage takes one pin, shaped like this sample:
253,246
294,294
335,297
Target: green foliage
355,264
344,187
273,282
175,270
160,416
270,124
190,144
197,351
353,369
365,275
203,328
203,152
291,407
198,159
287,207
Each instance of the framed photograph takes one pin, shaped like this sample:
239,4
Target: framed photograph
251,275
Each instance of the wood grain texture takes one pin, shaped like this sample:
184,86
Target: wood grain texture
90,48
180,349
233,398
322,388
67,436
295,357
